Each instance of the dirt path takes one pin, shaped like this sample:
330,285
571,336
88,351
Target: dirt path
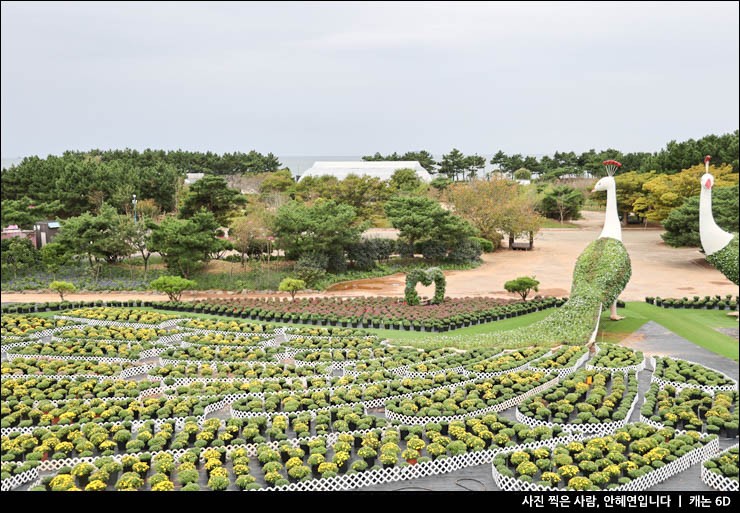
657,270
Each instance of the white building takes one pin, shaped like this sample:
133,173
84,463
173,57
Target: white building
382,169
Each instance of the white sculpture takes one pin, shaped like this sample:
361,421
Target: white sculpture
713,238
612,228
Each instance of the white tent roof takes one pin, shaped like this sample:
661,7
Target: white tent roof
382,169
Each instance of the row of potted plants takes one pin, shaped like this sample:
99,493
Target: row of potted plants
404,355
693,409
507,361
292,401
39,389
562,358
470,397
82,347
727,302
117,333
614,356
585,397
332,342
221,353
376,312
45,413
725,464
599,463
54,306
682,371
217,325
19,325
225,340
235,370
35,366
121,315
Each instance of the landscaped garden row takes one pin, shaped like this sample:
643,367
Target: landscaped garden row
23,308
632,458
377,312
613,357
294,423
727,302
316,460
588,400
721,471
681,373
20,325
117,333
693,409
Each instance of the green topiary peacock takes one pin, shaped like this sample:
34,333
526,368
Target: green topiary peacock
720,247
601,273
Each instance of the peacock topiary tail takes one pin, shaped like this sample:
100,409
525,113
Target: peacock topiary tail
601,273
726,260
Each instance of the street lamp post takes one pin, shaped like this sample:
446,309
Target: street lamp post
133,202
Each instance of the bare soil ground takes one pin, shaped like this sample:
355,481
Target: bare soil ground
657,270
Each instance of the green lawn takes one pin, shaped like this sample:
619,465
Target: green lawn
697,326
552,223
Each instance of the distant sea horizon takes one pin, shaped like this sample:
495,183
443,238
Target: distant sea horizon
299,163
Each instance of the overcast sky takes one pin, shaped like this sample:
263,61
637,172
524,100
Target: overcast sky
355,78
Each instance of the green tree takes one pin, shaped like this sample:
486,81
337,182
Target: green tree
248,233
561,202
98,237
62,287
523,174
18,254
630,193
326,228
173,286
53,257
25,212
664,192
186,244
291,285
682,224
420,219
405,180
279,181
213,194
453,165
522,286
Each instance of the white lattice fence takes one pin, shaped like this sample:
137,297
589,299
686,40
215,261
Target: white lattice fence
645,482
680,385
718,481
19,479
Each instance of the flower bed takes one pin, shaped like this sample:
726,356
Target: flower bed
219,339
232,371
86,368
564,357
45,413
374,312
615,357
588,400
55,389
507,361
337,342
693,409
633,457
299,331
19,325
117,333
81,347
682,373
721,471
241,327
468,400
121,315
221,353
